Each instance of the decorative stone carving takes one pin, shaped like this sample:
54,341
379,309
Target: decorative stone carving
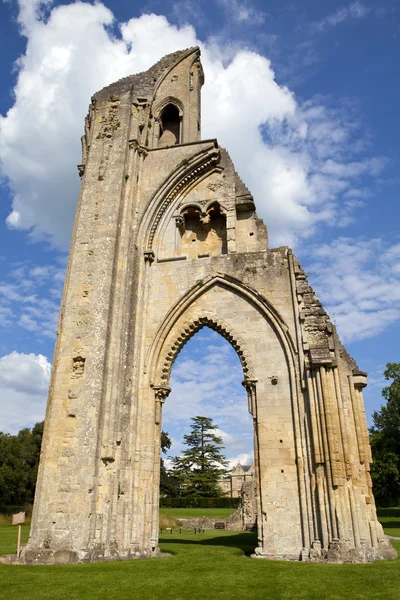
135,145
190,328
149,256
205,219
180,221
212,160
161,393
251,388
215,186
78,366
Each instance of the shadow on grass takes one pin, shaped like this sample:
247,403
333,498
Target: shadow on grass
389,512
391,524
244,541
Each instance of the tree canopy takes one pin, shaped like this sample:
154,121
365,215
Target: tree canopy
202,464
169,485
385,441
19,461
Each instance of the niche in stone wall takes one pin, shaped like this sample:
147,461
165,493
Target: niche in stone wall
202,233
170,125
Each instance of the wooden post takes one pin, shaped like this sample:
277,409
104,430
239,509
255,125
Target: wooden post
19,541
18,519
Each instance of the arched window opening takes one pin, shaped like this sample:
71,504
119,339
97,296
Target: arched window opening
206,380
203,233
169,126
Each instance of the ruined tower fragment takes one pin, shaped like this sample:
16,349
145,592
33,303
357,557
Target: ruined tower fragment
167,240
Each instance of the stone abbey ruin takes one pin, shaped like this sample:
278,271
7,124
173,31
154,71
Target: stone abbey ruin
166,241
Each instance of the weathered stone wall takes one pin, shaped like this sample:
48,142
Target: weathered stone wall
248,507
135,293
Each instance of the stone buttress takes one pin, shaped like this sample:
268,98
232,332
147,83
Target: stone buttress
166,241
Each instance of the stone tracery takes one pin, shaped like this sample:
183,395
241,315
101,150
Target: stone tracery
202,231
189,329
201,166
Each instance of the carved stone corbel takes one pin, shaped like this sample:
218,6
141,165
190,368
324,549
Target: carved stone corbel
251,389
161,393
205,220
135,145
180,221
360,380
149,256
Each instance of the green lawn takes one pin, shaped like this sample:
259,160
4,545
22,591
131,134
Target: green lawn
203,566
192,513
8,538
390,519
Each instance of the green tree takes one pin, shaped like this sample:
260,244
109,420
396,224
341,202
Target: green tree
202,464
385,441
169,486
19,461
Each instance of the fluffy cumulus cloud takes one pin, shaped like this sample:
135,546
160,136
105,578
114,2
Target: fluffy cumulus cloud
359,283
294,157
24,381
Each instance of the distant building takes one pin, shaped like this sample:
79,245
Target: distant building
232,483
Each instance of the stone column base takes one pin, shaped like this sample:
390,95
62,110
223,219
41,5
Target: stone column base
338,552
44,556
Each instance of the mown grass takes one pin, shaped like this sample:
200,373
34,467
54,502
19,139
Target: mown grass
192,513
390,519
8,538
208,566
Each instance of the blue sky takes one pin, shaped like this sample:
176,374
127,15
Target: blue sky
305,98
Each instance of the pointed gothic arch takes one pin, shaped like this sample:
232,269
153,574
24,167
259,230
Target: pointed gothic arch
186,317
176,184
160,359
168,118
130,302
189,329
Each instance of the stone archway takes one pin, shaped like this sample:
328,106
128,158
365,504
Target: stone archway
221,303
162,388
134,293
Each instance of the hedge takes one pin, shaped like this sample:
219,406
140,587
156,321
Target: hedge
196,502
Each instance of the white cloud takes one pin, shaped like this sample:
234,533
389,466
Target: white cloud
30,11
243,12
296,159
355,10
359,284
24,380
29,298
235,442
243,459
5,315
185,11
